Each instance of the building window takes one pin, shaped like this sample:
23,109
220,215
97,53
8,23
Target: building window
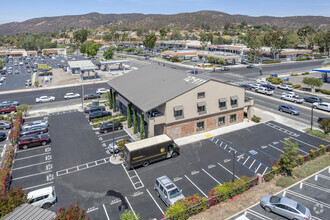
201,107
233,101
233,118
221,120
178,113
223,103
201,95
200,126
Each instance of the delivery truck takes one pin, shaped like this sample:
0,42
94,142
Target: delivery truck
144,152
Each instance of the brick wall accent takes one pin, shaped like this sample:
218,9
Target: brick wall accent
210,123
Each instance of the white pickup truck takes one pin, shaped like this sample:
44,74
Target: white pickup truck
265,91
292,98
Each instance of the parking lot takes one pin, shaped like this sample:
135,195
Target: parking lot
312,193
81,169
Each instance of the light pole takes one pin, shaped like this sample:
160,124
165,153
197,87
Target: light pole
82,91
312,117
234,167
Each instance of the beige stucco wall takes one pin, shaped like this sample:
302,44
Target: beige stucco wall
213,91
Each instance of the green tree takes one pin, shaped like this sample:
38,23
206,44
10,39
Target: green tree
254,43
324,124
36,84
176,35
164,49
275,40
114,107
142,135
322,40
10,199
108,54
203,38
175,59
81,35
107,37
150,41
129,215
312,82
120,49
134,121
130,49
2,64
221,61
292,40
287,161
304,33
139,51
211,59
24,108
163,31
129,116
110,99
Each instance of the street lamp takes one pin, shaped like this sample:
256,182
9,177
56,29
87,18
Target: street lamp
312,117
82,91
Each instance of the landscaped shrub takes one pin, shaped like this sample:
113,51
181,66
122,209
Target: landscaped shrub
256,119
129,215
294,74
271,61
274,80
302,59
305,73
97,125
74,212
312,154
275,169
269,176
296,86
300,159
186,207
324,91
322,149
317,58
11,199
288,83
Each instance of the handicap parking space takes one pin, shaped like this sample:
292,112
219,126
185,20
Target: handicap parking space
312,193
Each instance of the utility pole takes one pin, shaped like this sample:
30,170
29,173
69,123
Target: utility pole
113,139
312,117
82,91
234,167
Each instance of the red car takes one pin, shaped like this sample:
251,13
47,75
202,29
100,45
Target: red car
33,140
7,109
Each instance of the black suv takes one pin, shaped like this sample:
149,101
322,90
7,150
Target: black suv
98,114
92,96
94,108
107,127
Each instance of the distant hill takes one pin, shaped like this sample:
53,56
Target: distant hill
152,21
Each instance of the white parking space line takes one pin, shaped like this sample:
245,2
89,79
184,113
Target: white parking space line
37,155
258,168
252,212
36,174
32,187
298,147
135,175
228,171
324,177
246,160
155,202
276,148
196,186
211,177
313,217
316,187
106,213
264,171
116,138
307,198
130,206
110,132
304,142
35,148
31,165
252,164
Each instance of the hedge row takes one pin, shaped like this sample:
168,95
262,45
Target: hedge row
271,61
302,59
317,58
274,80
115,120
105,118
195,204
294,74
5,118
300,159
305,73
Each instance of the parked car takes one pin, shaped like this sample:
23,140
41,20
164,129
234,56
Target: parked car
313,99
5,124
114,148
28,83
323,106
285,87
193,71
43,198
35,123
45,99
92,96
98,114
94,108
71,95
265,91
45,73
250,66
288,109
167,190
16,72
7,108
3,136
246,86
34,130
102,91
292,98
255,86
285,207
268,86
289,93
33,141
110,126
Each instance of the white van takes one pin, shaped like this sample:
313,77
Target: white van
43,198
323,106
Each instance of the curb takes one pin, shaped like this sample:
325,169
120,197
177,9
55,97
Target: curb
280,191
115,162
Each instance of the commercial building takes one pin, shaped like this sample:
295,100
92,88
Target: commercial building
54,51
179,104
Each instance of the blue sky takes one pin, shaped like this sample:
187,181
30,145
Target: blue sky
20,10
